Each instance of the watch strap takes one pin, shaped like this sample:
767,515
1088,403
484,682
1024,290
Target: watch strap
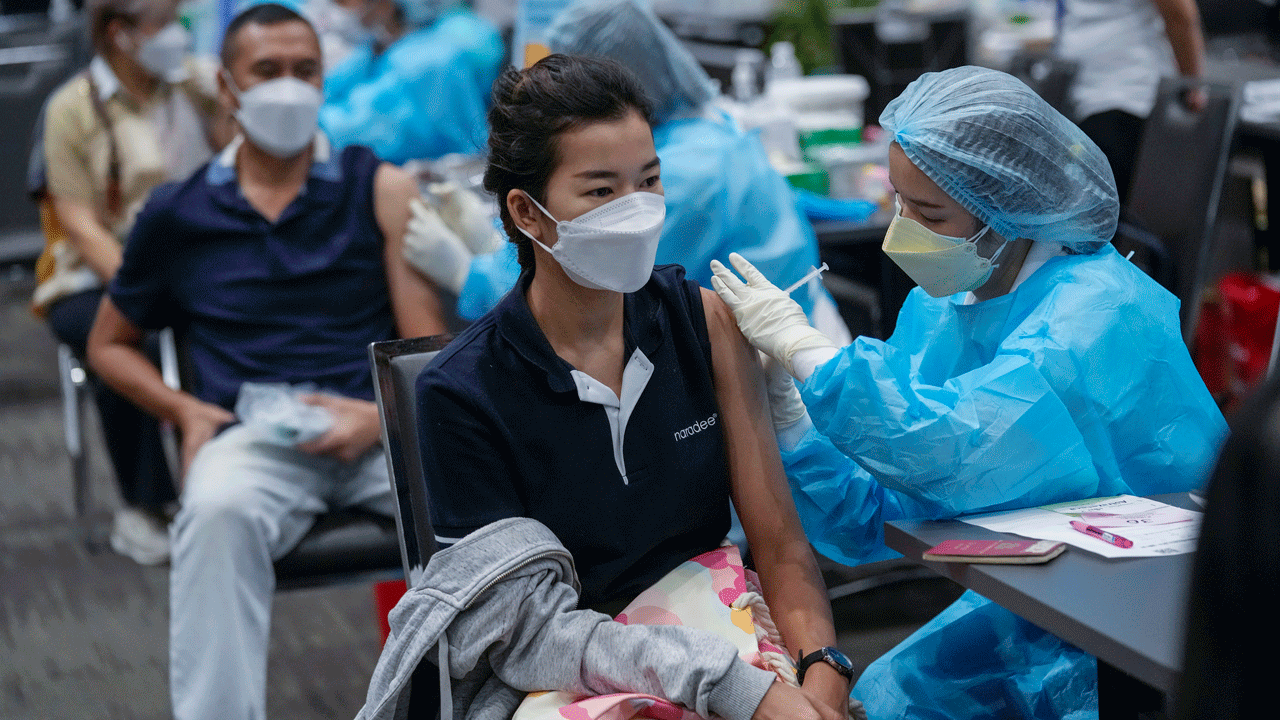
822,655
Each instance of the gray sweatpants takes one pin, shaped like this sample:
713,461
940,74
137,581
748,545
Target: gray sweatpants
245,502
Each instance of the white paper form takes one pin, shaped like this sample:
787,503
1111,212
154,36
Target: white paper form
1154,527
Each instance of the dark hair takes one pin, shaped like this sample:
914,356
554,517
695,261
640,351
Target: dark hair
264,14
130,12
532,107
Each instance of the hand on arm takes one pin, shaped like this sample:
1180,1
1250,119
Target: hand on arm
96,245
414,301
766,315
114,353
355,427
784,702
789,574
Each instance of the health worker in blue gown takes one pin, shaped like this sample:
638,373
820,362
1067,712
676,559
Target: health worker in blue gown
418,85
722,193
1032,365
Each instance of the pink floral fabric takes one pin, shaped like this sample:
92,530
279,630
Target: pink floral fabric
712,591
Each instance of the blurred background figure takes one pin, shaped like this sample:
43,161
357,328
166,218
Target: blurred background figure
1236,576
722,194
416,81
144,112
1123,48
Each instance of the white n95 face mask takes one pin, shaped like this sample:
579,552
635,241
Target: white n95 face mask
162,54
612,247
279,116
941,264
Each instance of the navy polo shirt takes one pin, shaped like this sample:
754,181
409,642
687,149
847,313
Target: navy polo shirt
631,485
297,300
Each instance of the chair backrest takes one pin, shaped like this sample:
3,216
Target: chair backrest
891,48
396,366
1178,178
1050,77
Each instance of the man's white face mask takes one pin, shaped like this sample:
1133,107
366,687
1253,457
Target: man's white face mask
941,264
612,247
279,116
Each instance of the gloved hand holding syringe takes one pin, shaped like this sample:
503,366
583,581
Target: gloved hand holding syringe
766,314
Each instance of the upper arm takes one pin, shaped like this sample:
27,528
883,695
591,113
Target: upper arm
414,301
757,480
112,327
66,152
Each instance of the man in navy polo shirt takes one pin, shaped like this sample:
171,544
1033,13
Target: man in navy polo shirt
279,261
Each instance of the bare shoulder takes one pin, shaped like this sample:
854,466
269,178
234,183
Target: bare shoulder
393,188
70,109
720,323
392,182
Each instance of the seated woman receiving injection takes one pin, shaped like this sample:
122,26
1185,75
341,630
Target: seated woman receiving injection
618,405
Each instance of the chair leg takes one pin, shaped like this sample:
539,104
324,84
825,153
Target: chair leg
169,370
74,383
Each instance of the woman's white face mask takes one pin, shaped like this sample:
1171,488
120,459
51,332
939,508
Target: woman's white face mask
941,264
279,116
161,54
612,247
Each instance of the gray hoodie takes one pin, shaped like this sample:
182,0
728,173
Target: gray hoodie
497,613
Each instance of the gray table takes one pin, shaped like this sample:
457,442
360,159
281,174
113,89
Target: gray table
1129,613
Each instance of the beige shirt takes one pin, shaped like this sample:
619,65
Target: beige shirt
165,138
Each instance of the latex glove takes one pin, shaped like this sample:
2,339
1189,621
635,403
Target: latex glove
784,398
767,316
465,214
435,250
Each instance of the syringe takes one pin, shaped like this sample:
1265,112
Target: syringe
815,272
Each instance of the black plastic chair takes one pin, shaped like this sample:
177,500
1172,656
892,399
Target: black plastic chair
891,48
343,546
1050,77
396,366
1177,187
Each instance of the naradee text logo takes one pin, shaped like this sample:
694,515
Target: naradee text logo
696,427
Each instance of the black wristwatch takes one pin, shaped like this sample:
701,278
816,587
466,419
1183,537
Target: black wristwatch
828,655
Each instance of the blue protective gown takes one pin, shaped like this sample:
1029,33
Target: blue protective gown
425,96
722,196
1075,385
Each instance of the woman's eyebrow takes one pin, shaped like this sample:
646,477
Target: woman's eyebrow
924,203
609,174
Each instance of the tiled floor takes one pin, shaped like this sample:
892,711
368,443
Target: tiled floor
83,634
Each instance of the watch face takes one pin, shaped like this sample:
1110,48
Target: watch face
838,657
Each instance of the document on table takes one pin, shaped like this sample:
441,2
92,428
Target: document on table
1154,527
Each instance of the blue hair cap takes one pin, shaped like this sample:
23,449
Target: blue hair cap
628,32
1009,158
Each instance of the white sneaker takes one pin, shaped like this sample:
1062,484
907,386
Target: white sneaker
141,536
